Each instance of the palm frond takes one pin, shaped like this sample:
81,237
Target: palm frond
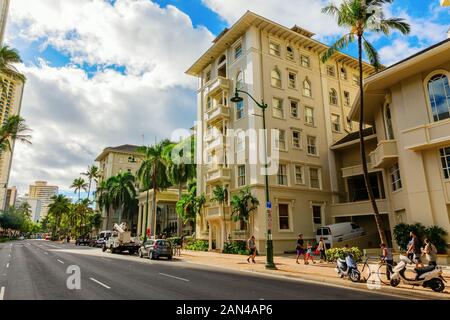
340,44
372,54
395,23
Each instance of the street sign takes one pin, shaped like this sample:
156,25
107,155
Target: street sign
269,205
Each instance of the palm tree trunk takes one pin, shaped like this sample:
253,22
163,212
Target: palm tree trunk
89,190
179,222
363,148
154,210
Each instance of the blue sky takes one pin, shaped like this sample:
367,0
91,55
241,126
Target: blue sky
104,73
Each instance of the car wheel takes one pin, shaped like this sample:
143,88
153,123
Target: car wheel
103,248
151,256
112,249
169,258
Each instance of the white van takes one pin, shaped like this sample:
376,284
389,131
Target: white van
339,232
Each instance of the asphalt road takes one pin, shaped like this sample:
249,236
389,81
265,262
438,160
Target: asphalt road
36,270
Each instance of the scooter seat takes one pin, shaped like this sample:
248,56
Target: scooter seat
424,269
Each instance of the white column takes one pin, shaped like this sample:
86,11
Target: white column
210,237
140,216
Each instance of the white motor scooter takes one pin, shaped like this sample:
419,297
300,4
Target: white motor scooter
427,277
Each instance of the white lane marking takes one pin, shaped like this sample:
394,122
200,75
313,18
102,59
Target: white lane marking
53,246
102,284
62,262
7,265
2,293
168,275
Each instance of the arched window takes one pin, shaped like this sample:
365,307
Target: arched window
289,53
388,122
240,80
439,94
276,78
307,92
333,96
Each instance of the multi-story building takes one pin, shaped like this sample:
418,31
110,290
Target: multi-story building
43,192
11,195
308,105
112,161
35,206
409,152
10,103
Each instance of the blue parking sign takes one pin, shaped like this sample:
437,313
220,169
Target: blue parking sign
269,205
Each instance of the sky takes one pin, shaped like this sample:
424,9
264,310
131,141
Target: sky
110,72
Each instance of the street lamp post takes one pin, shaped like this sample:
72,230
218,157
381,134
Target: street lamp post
269,243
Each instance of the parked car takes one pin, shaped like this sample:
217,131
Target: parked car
154,249
339,232
21,238
102,238
82,241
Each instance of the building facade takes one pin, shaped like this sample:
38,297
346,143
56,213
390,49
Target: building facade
43,192
35,206
11,196
4,6
308,106
111,162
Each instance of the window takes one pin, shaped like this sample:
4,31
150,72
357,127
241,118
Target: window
240,80
275,78
274,49
282,175
317,215
208,103
439,92
355,79
292,80
346,98
309,116
238,51
349,124
222,67
394,174
289,53
239,110
336,122
312,147
280,141
333,96
305,62
343,73
307,92
208,76
357,191
314,178
278,108
445,159
294,109
240,141
296,139
283,216
388,122
299,174
331,71
241,176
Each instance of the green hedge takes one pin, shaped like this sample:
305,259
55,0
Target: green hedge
197,245
235,247
175,241
334,253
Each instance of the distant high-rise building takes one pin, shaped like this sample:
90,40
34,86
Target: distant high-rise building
11,195
43,192
35,206
4,5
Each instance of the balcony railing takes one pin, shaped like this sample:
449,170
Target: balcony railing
217,84
216,143
385,154
355,170
216,212
358,208
218,174
427,136
217,113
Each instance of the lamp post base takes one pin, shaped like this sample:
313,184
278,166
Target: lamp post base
269,251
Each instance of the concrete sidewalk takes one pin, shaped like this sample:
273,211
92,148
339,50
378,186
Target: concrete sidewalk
319,272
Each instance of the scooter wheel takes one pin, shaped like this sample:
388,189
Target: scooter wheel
355,276
437,285
395,282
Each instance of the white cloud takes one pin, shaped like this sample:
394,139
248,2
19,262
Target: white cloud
398,50
74,116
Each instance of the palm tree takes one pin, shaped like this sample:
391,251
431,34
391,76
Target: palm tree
9,57
92,174
153,173
220,195
243,204
14,128
59,207
180,169
360,17
122,192
78,185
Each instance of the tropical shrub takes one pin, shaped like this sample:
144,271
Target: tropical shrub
235,247
175,241
197,245
434,233
436,236
334,253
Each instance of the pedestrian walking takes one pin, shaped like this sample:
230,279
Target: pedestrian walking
388,259
322,250
415,249
309,254
251,246
300,249
430,252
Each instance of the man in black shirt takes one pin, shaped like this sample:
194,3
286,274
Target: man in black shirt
300,248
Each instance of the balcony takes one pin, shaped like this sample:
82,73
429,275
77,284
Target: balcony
356,170
361,208
217,174
218,143
215,212
385,154
216,85
427,136
217,113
